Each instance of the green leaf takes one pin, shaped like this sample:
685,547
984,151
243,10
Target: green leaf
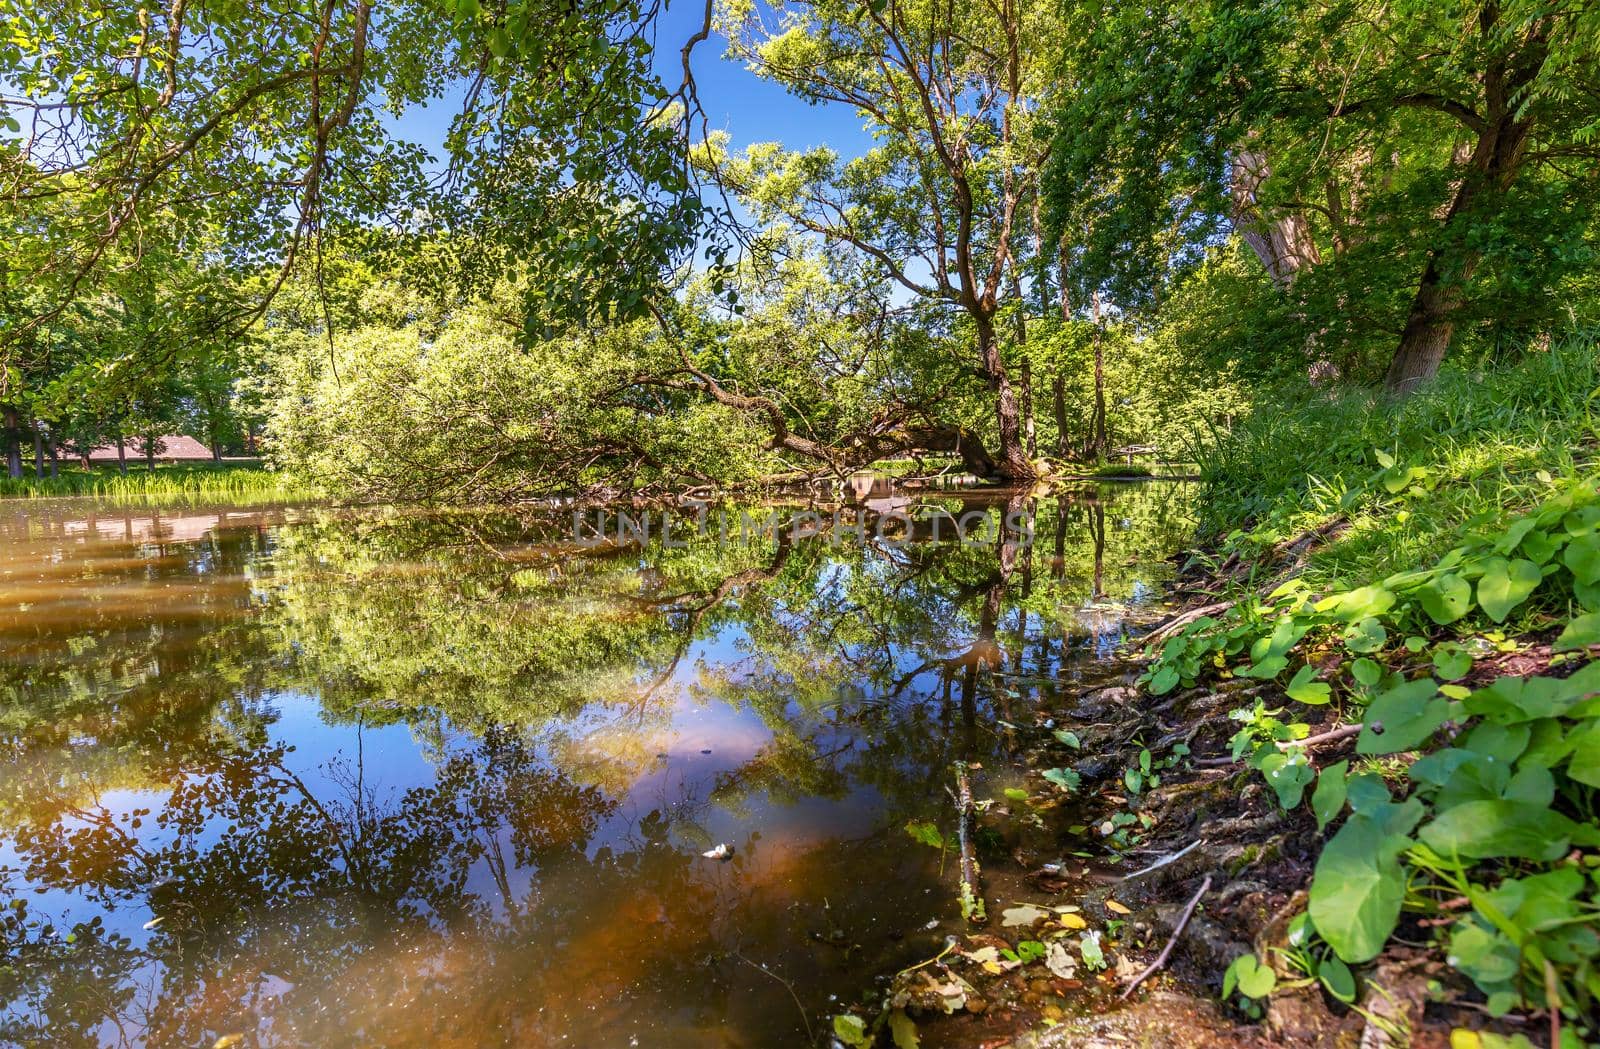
1483,954
1163,681
1505,585
903,1030
1585,764
1016,794
1268,668
850,1030
1066,779
925,833
1068,738
1402,717
1452,662
1289,775
1366,672
1302,689
1327,801
1359,603
1366,635
1338,979
1580,633
1446,599
1582,556
1253,979
1481,829
1358,884
1089,950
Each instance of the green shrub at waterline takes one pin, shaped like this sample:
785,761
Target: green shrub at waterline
202,481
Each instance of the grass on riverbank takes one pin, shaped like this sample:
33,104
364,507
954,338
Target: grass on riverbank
1415,589
205,481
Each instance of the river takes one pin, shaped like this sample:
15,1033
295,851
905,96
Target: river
311,775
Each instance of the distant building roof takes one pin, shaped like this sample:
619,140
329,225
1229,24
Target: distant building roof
175,447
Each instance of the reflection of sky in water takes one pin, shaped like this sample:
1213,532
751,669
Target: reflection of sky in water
807,718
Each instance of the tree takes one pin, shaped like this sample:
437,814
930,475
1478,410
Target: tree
939,205
1400,171
252,130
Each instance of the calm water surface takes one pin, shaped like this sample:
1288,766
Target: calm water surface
332,777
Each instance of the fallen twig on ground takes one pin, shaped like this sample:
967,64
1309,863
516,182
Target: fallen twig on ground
1183,923
1163,861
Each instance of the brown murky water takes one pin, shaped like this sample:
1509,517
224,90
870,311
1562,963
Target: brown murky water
312,776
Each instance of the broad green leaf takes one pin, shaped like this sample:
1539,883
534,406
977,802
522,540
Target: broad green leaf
1483,954
1366,672
1452,662
1359,603
1163,681
1580,633
1358,884
1585,764
1327,801
850,1030
1446,599
1582,556
903,1030
1505,585
1507,829
1514,699
1090,951
1402,717
1269,667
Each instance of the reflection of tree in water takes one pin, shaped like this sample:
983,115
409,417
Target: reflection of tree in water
871,666
253,878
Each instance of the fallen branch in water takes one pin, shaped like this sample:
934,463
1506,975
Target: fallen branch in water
1183,923
804,1017
971,877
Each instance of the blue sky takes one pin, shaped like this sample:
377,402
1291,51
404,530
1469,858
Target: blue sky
735,100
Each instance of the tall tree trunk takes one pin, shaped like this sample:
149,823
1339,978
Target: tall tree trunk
38,451
1025,363
1058,405
1058,384
150,453
1430,325
13,440
122,455
1281,240
1496,160
1030,430
55,457
1095,439
1013,458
